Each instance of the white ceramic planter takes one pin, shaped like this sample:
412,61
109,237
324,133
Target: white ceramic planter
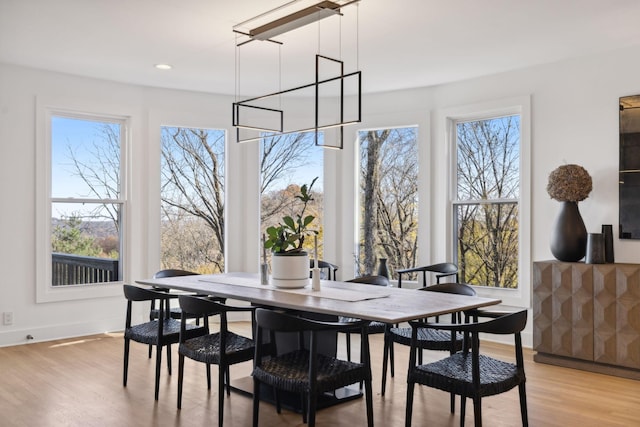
290,270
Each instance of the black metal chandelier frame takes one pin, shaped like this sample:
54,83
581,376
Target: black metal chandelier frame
250,104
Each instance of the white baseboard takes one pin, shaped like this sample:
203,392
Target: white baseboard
78,329
55,332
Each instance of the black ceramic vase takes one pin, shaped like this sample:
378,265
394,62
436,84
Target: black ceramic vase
569,235
383,270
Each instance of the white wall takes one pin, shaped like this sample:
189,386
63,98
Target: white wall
574,120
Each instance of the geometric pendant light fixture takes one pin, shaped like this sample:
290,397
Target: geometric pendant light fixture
332,89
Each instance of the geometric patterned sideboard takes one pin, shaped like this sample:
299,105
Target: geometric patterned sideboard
587,316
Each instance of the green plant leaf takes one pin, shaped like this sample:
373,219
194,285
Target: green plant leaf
307,220
289,222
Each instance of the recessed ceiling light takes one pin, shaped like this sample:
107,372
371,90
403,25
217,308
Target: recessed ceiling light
163,66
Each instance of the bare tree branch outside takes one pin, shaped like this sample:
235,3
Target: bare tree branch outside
100,171
389,199
192,193
486,210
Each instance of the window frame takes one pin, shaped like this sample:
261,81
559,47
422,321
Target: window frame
358,194
458,203
318,223
499,108
45,111
225,144
343,181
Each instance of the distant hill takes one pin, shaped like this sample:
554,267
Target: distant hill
98,229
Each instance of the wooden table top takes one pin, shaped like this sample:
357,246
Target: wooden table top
384,304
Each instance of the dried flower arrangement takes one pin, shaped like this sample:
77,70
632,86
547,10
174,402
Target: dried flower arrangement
569,183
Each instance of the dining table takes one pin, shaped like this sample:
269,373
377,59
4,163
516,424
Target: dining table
385,304
389,305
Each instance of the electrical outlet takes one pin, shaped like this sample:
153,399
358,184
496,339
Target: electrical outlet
7,318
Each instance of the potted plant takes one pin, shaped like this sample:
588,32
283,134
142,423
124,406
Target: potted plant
289,261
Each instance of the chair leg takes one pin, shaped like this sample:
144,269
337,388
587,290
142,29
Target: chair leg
276,395
453,403
150,350
385,357
477,412
256,401
228,383
391,358
305,407
126,362
168,357
348,339
180,377
523,405
463,407
409,408
313,397
158,366
369,399
221,373
208,368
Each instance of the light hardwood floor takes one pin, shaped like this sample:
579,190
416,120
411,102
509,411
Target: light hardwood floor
78,382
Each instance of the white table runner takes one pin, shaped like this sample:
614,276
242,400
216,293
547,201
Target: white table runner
326,289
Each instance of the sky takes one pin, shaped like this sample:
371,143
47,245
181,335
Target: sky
77,136
82,136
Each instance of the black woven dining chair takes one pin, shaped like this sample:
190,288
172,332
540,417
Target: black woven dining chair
428,339
160,332
471,374
304,370
222,348
374,327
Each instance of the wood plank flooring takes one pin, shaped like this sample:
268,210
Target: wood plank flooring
78,382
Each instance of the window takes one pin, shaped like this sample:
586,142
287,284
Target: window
86,202
388,187
192,199
287,162
486,201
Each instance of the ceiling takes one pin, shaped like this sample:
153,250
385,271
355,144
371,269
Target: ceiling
398,44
